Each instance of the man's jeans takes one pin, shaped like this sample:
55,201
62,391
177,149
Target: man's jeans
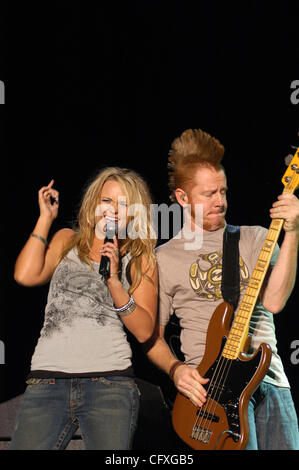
105,408
272,419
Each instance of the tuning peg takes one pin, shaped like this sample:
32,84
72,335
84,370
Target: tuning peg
288,159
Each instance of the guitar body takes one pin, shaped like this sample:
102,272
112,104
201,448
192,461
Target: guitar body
222,422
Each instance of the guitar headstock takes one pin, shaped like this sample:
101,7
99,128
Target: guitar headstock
291,177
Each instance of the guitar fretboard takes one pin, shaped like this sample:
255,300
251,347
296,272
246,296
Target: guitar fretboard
239,331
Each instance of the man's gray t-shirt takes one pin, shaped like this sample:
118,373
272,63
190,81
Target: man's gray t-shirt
190,286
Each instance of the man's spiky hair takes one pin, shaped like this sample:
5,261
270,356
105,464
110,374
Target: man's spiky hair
193,148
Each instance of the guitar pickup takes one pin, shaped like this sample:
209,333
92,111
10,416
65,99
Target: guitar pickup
208,416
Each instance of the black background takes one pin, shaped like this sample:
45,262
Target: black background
89,85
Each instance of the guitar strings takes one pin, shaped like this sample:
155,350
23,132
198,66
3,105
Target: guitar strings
216,384
221,383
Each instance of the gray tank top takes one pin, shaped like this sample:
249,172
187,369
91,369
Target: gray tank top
82,333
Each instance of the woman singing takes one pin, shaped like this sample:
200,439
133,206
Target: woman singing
81,371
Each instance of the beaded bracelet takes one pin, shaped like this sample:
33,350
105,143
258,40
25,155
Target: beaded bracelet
42,239
126,309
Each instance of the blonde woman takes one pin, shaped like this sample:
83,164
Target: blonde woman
81,372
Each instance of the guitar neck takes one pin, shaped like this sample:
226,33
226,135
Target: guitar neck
240,327
239,331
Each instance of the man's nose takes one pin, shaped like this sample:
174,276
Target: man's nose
220,199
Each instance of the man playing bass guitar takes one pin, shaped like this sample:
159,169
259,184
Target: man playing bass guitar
190,286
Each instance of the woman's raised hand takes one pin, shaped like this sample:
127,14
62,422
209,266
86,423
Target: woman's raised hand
48,199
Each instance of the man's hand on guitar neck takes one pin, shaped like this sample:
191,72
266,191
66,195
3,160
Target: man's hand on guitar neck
280,279
287,207
189,382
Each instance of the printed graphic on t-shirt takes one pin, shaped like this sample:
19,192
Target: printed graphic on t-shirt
76,292
206,274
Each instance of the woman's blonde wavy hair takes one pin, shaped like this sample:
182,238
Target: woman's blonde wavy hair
137,196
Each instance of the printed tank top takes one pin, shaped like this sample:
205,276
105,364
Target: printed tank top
82,333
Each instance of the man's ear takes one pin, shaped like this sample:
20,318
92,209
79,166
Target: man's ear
181,197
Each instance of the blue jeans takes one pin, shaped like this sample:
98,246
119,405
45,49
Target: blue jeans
272,419
105,408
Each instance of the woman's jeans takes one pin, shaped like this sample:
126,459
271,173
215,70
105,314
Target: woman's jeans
105,408
272,419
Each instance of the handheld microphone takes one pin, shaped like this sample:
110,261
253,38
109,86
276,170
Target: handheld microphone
104,269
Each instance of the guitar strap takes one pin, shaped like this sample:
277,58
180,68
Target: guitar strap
230,285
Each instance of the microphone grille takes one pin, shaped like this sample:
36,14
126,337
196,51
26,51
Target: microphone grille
111,229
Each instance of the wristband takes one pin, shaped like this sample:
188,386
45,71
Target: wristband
128,308
174,367
42,239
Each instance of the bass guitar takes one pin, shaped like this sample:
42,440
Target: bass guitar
222,422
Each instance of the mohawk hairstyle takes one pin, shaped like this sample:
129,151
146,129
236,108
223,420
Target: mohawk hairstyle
191,149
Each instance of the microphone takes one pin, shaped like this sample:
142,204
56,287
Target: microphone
104,269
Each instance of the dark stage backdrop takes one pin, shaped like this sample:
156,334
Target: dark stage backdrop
89,85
